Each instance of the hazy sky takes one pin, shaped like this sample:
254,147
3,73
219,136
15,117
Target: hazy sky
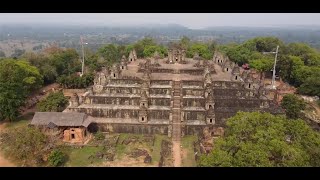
191,20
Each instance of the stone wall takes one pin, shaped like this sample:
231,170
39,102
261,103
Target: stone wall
122,90
125,81
194,129
131,128
228,84
238,103
196,72
160,70
108,113
193,102
159,114
193,115
193,92
192,83
160,102
160,82
160,91
232,93
115,100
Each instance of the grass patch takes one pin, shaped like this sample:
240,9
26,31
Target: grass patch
120,150
156,149
80,157
188,159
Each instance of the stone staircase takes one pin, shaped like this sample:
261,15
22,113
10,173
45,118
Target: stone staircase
176,113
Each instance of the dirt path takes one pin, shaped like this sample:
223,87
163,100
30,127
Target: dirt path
4,162
176,148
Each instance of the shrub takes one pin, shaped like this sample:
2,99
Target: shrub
55,102
99,136
56,158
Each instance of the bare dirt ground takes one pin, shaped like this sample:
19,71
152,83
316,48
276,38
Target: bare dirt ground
3,161
184,154
176,148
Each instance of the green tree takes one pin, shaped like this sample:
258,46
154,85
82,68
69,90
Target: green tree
66,61
212,47
202,49
262,65
239,54
250,45
185,42
261,139
289,65
293,105
150,50
142,44
17,80
75,81
29,75
267,44
110,54
129,48
44,64
299,49
309,55
92,62
54,102
302,73
56,158
311,86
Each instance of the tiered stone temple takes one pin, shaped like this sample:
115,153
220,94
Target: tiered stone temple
174,96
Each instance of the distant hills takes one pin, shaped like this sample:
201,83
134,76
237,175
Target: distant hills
68,35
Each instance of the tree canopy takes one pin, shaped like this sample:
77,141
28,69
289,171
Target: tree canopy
150,50
262,65
54,62
311,86
54,102
293,105
17,80
110,53
200,48
75,81
264,140
298,63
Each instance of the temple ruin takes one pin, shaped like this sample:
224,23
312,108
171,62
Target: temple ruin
175,95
